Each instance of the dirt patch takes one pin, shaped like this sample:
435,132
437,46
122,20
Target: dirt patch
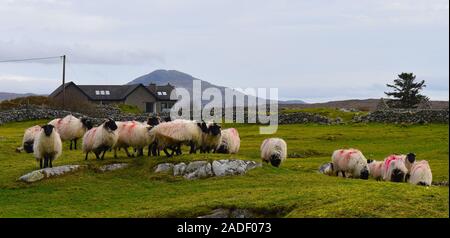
331,137
440,183
306,154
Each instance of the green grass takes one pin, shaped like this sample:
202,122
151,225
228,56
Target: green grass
125,108
327,112
293,190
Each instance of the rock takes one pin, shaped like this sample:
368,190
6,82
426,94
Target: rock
48,172
232,167
165,167
218,213
198,169
179,169
111,167
230,213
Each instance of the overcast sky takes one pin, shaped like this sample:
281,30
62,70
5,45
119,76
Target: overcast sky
311,50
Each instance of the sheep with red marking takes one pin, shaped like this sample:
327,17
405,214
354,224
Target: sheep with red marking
274,150
71,128
229,141
47,146
396,168
350,161
132,134
100,139
421,173
28,139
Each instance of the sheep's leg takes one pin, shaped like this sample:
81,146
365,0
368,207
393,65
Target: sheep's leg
343,174
40,163
86,157
167,153
193,149
51,162
97,155
75,142
104,151
115,152
45,161
141,152
126,151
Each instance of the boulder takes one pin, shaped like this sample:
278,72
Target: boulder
111,167
163,168
48,172
198,169
179,169
232,167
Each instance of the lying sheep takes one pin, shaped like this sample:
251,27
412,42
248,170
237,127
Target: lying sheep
132,134
375,168
175,133
350,161
394,168
273,150
47,146
100,139
71,128
28,139
210,139
421,173
327,169
229,142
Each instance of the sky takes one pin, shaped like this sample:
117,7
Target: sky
314,51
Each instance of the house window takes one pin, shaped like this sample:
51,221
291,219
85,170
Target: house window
107,92
97,92
159,93
102,92
164,93
163,105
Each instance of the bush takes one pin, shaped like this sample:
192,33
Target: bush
31,100
125,108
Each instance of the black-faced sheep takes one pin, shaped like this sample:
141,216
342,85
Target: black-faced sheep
395,167
421,173
71,128
100,139
350,161
273,150
47,146
229,141
210,139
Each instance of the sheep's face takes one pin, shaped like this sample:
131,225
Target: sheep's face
203,127
214,129
86,123
362,170
153,121
411,157
275,160
48,129
398,172
111,125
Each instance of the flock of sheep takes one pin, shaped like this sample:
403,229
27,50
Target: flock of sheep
394,168
45,142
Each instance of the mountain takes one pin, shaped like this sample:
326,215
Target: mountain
8,96
289,102
177,79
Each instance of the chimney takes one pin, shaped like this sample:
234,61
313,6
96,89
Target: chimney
152,87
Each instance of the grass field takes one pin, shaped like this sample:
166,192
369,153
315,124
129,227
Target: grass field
293,190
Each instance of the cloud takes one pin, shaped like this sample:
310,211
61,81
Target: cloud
25,84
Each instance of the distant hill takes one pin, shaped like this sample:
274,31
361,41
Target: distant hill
177,79
8,96
287,102
361,104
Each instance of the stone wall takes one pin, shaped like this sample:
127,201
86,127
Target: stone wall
414,116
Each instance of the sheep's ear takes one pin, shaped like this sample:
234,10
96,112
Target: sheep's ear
369,161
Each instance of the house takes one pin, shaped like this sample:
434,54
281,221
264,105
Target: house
150,99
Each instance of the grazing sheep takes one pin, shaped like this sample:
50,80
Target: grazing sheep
229,142
327,169
28,139
71,128
350,161
273,150
132,134
175,133
375,169
421,173
211,139
394,168
100,139
47,146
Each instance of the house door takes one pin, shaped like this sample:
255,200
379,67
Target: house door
149,107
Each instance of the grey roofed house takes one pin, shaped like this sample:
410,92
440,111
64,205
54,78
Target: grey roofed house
148,99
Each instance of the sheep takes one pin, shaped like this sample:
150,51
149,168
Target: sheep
100,139
273,150
132,134
375,169
152,122
211,139
350,161
229,142
327,168
47,146
174,133
394,168
71,128
421,173
28,139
